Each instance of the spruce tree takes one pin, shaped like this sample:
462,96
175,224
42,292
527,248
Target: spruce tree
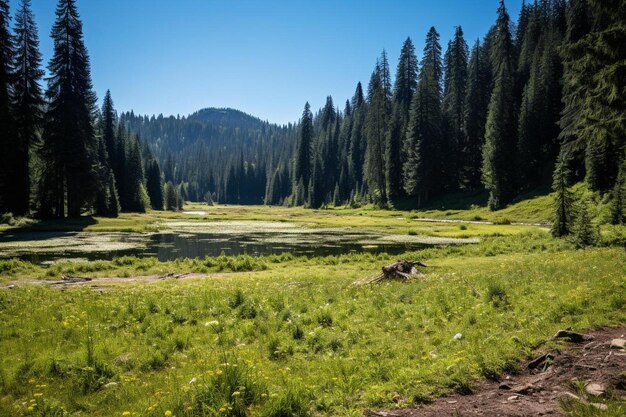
107,202
171,197
403,91
455,87
27,103
585,232
424,136
500,131
133,178
302,167
594,59
154,185
474,119
357,138
69,146
376,125
618,205
108,128
563,199
7,138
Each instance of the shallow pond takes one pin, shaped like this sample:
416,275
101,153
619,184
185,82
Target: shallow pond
201,239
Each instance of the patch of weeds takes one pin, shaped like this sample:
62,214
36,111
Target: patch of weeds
496,294
293,403
325,319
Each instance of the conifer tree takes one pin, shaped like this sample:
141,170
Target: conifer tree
69,147
403,91
424,135
171,197
133,178
563,199
107,202
585,232
455,87
618,206
27,104
474,119
154,185
357,137
302,168
500,131
108,128
7,145
376,125
316,190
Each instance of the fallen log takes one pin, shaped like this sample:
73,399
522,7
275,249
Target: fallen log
401,269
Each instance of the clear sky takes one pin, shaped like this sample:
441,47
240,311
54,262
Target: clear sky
265,57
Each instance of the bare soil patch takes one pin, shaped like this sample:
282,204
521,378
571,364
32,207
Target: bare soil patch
593,364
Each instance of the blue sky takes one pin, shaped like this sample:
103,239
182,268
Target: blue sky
266,58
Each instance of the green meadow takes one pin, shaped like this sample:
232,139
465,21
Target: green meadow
286,335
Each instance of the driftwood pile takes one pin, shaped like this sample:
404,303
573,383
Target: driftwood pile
402,269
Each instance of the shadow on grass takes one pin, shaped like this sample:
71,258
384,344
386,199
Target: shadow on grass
48,229
466,200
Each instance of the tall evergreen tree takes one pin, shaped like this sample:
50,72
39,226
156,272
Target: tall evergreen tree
357,138
376,125
302,167
69,146
133,178
107,202
424,135
500,131
403,91
563,199
474,119
154,184
27,102
108,128
455,87
7,145
618,206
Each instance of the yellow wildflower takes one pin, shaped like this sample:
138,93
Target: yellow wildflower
168,413
126,413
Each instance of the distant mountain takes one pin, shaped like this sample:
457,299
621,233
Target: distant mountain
225,152
227,117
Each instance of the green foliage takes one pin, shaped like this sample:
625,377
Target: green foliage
563,200
500,138
585,232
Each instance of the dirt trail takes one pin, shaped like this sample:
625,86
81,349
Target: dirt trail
537,392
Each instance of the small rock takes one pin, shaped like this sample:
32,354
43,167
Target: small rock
594,389
458,336
527,389
618,343
451,401
571,336
110,384
11,286
505,387
599,406
513,398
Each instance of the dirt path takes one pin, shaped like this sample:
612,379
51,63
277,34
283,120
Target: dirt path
536,392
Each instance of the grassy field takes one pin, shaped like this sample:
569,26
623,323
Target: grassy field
283,335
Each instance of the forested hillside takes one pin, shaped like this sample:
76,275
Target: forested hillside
490,114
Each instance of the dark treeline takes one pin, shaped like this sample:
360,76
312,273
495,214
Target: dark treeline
60,155
493,114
